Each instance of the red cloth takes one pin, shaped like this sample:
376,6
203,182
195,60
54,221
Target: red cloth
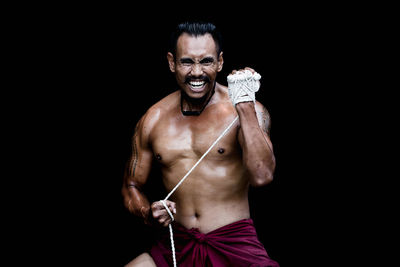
232,245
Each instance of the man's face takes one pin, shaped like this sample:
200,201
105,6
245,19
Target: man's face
196,64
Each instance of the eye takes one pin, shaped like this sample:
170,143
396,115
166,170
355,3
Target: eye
186,62
208,61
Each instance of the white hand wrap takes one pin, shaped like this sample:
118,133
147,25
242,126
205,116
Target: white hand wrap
243,85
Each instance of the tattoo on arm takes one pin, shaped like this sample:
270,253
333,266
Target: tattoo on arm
134,153
265,120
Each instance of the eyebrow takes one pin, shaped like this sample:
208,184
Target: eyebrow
207,59
189,60
186,60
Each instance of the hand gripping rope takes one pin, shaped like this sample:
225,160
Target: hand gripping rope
241,87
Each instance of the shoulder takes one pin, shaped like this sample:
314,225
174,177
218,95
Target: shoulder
154,114
222,94
222,89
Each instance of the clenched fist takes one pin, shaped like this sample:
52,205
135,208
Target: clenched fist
160,214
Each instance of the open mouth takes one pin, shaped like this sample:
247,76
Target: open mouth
197,86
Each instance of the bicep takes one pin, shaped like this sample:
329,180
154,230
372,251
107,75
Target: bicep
139,163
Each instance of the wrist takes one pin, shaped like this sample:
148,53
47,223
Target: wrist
146,215
247,113
245,106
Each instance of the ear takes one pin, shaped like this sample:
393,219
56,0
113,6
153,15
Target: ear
171,61
220,61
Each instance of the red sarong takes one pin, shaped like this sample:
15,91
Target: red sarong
232,245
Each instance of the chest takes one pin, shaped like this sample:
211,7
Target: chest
191,138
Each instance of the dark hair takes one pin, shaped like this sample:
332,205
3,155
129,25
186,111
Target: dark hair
196,29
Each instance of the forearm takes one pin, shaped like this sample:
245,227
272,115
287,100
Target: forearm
258,156
136,201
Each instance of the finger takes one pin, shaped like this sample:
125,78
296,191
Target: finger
165,224
250,69
159,211
164,220
172,206
159,214
157,206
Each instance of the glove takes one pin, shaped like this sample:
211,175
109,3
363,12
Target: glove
242,86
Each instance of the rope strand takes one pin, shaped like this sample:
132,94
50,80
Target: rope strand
171,234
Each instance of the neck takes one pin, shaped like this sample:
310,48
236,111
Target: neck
194,106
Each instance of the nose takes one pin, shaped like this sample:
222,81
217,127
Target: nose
197,70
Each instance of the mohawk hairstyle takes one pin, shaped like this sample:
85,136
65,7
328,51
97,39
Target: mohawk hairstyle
195,29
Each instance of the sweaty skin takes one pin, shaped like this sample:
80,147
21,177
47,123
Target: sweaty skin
216,192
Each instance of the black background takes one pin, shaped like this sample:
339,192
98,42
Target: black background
96,70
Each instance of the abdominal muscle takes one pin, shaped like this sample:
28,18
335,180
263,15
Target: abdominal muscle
210,215
210,197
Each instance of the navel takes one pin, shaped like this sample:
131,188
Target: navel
221,150
158,157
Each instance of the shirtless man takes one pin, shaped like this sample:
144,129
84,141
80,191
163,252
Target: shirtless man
175,132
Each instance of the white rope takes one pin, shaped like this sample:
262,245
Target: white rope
183,179
171,234
243,85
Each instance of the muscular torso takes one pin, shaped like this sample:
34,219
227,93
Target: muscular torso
215,193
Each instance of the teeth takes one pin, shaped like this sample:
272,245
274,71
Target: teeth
197,83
